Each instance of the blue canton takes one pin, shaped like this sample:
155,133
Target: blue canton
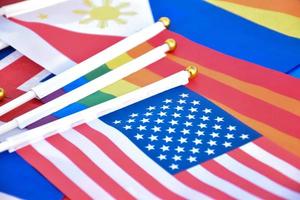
179,129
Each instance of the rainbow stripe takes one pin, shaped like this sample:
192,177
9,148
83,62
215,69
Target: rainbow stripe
244,90
280,16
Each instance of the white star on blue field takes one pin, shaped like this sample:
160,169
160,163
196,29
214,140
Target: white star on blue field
179,129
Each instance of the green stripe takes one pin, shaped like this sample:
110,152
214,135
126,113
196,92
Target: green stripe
103,69
95,98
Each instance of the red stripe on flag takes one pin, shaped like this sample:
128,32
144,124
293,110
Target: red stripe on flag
6,2
87,45
277,151
77,46
88,167
232,66
20,110
198,185
18,72
263,169
166,67
247,105
12,77
126,163
53,174
225,174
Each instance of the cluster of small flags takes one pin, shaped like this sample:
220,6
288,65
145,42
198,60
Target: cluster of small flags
231,133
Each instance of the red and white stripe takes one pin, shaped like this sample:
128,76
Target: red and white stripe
99,161
250,169
113,155
15,71
34,81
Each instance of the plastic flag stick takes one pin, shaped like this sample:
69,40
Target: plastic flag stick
89,88
29,137
79,70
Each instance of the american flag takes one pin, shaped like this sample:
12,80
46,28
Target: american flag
175,145
100,159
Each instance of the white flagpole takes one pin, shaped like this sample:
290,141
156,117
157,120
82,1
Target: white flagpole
29,137
79,70
89,88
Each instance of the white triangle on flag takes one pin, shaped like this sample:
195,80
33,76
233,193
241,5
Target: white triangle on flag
104,17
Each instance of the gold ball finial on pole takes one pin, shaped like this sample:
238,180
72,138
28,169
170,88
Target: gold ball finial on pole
193,70
2,94
171,43
166,21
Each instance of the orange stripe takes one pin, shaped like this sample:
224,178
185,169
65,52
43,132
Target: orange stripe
139,50
291,7
143,78
282,139
286,103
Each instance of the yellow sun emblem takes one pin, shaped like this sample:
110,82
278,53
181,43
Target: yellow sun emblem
104,13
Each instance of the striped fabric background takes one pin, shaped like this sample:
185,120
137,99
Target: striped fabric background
280,16
267,167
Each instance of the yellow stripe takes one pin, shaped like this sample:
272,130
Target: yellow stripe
119,88
280,138
118,61
286,103
281,22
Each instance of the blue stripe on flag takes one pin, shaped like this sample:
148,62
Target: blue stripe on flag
229,33
5,52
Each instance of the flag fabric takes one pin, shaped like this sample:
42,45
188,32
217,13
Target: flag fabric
18,178
248,92
168,146
7,196
224,80
278,16
106,17
231,34
5,52
295,71
9,55
240,37
7,2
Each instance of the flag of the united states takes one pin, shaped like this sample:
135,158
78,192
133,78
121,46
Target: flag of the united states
175,145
